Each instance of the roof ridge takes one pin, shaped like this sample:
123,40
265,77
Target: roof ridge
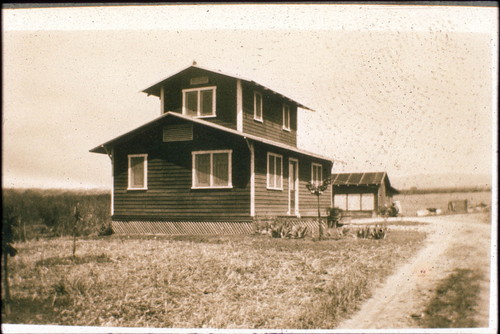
228,75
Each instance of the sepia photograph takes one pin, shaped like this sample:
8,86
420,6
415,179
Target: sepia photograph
249,167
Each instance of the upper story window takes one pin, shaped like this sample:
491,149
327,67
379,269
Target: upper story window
212,169
137,171
199,102
316,174
274,171
286,117
257,107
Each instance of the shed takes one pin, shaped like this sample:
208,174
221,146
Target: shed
362,194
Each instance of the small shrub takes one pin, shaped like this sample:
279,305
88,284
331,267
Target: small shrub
377,232
334,216
281,228
105,230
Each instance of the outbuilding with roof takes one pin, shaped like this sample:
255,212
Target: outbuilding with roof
362,194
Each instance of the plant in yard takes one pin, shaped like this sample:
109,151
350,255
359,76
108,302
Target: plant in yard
334,216
317,189
283,228
77,219
105,230
377,232
9,219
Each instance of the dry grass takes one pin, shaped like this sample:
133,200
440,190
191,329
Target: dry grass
454,303
412,203
196,282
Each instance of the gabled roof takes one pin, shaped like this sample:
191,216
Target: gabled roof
358,179
103,148
155,89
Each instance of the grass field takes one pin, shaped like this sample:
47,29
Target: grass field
412,203
196,282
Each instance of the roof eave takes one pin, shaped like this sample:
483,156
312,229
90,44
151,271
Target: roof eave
102,148
154,89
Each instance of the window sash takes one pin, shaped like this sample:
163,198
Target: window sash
137,171
274,171
316,174
354,202
199,102
367,202
340,201
286,117
257,105
212,169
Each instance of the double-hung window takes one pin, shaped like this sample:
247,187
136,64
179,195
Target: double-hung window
137,171
286,117
274,171
316,174
199,102
212,169
257,107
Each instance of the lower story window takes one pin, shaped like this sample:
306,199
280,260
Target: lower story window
274,171
138,171
212,169
354,202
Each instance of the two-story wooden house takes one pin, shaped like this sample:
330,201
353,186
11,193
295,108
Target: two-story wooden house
222,152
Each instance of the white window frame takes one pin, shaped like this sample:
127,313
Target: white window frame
320,180
286,109
274,175
336,202
255,116
371,196
356,199
230,172
295,210
199,90
130,156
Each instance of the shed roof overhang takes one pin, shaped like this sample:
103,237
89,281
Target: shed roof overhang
106,147
155,88
364,179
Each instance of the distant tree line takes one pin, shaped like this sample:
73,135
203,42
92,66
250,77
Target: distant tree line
444,190
50,213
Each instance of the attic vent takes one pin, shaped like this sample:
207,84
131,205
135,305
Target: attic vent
177,132
199,80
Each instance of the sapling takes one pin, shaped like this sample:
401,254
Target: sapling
77,219
317,189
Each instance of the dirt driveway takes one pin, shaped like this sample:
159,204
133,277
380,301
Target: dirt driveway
457,241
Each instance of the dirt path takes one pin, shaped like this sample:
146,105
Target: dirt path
458,241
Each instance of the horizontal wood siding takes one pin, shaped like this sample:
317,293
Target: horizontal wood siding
308,203
275,202
272,125
169,192
225,94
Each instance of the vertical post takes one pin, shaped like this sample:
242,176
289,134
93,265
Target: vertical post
77,217
319,213
320,227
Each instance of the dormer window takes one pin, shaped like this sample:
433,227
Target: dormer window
199,102
257,107
286,117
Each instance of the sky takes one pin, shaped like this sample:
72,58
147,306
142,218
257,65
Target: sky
405,89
